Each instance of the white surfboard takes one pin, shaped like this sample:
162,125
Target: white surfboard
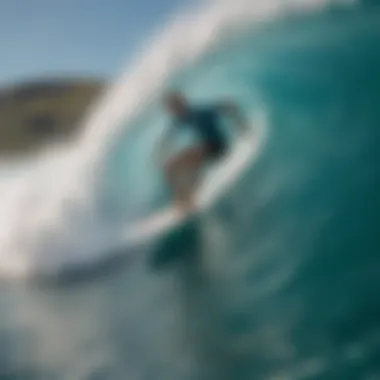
216,182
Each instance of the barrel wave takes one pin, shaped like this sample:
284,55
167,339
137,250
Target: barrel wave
277,280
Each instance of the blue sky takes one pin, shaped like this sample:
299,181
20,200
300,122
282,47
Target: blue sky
75,37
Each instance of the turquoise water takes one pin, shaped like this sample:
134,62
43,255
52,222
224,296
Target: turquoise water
279,280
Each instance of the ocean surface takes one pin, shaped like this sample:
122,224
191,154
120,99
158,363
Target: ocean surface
278,280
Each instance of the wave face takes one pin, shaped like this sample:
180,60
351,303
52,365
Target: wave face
63,209
278,280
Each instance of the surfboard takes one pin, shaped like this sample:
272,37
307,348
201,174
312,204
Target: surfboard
216,182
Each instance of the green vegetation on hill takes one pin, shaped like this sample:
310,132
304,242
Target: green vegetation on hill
38,113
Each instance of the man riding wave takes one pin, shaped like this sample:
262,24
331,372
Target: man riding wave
182,170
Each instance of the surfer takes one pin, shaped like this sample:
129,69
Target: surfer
182,170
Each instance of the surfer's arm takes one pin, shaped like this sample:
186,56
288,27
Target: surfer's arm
231,109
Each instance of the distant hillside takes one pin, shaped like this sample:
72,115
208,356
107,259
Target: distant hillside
36,113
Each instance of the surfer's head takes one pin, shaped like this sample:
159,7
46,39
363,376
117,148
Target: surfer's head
176,104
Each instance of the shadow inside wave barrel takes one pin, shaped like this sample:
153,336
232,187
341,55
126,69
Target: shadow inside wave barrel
177,244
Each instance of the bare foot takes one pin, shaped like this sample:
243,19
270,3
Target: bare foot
185,204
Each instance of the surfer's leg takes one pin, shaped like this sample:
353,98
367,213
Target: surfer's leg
183,171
